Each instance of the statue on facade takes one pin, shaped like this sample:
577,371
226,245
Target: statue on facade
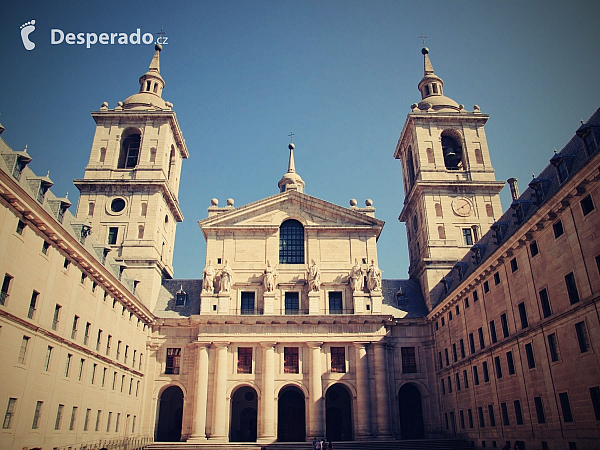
208,278
314,276
226,278
269,278
356,277
373,277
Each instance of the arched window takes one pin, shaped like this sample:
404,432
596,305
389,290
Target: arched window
130,150
441,232
171,162
410,168
291,242
452,150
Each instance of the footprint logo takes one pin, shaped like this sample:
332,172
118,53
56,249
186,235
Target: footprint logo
26,29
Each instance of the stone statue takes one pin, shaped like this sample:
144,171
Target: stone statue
226,278
373,277
269,278
356,277
208,278
314,276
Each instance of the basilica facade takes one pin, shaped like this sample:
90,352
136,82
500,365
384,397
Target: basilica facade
291,334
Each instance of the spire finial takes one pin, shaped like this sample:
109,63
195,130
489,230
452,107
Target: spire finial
291,136
423,37
427,66
291,146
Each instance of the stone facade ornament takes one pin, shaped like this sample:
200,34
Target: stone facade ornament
373,277
226,278
356,277
314,276
208,278
269,278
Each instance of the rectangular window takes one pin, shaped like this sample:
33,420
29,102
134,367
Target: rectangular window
66,264
20,227
23,350
86,421
32,304
461,415
486,373
466,302
112,235
47,360
5,288
56,317
137,387
454,354
338,359
470,417
467,236
290,360
471,343
449,385
565,407
496,278
534,248
94,367
498,367
572,288
529,353
595,396
58,417
108,421
81,364
539,409
558,229
582,337
73,418
504,322
98,340
247,306
475,296
86,333
553,347
440,359
511,363
173,361
108,342
409,360
36,415
133,425
545,302
68,364
481,340
587,205
134,358
446,355
462,348
493,332
118,350
518,412
443,386
10,412
465,379
486,287
335,303
74,329
98,415
126,354
104,370
492,415
114,383
481,418
244,360
292,303
504,411
457,381
523,315
122,382
513,265
475,376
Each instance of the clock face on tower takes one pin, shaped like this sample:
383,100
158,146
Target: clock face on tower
461,207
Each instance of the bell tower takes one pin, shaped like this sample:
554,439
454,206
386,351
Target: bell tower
451,196
129,190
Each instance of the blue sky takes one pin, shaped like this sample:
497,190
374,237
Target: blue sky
340,74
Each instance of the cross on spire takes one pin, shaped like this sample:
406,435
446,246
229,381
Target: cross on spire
161,32
291,136
423,37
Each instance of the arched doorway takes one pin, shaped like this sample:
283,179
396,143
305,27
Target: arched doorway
411,412
244,404
170,413
291,423
338,409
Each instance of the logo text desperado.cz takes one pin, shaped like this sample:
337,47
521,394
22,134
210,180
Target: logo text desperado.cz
57,36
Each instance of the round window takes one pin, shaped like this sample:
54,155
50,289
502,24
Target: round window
117,205
249,396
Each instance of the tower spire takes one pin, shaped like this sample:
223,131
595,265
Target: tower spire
291,181
432,88
427,66
151,87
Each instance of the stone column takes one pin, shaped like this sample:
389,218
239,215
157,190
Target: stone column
381,391
220,396
315,393
363,408
267,419
199,429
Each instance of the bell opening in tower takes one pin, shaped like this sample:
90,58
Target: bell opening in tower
452,153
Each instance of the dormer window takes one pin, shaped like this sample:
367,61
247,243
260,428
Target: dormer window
590,142
19,166
180,297
42,192
558,161
61,212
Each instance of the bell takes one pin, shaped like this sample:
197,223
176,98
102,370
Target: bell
451,159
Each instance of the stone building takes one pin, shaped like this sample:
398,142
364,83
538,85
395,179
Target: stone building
291,333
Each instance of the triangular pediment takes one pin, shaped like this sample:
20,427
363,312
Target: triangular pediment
272,211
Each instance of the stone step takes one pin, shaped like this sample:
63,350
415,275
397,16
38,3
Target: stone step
424,444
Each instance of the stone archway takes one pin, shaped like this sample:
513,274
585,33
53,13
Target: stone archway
338,410
411,412
291,421
170,415
244,406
